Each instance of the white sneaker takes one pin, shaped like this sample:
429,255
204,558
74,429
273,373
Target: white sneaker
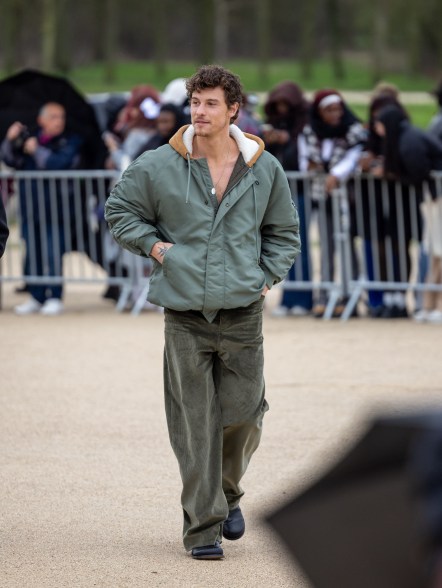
30,307
435,316
298,311
421,316
280,311
52,307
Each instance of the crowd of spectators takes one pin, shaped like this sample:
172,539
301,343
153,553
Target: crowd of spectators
320,135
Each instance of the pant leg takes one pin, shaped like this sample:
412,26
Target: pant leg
35,260
240,383
375,297
214,394
304,298
56,249
194,421
327,250
239,444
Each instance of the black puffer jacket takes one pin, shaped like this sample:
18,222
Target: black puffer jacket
410,153
293,121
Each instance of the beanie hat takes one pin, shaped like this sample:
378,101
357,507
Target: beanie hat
324,98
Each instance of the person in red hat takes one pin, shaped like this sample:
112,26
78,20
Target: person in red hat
135,125
333,142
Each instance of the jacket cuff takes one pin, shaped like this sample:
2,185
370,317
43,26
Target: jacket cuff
271,280
148,242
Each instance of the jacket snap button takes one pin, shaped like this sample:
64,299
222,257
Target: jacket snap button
257,183
227,204
206,202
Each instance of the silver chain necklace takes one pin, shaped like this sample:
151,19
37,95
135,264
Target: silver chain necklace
213,190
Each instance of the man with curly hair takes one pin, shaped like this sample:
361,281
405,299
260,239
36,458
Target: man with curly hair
214,211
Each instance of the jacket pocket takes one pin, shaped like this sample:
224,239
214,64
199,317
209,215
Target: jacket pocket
183,278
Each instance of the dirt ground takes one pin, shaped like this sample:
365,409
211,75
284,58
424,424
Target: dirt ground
89,487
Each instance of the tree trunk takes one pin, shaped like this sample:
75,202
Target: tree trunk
98,14
205,27
159,18
110,34
49,34
221,30
333,18
12,17
263,39
413,36
308,11
63,62
380,19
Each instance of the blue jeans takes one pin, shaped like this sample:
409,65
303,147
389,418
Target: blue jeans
304,298
44,260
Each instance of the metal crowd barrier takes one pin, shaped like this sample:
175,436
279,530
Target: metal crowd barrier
367,237
54,214
371,235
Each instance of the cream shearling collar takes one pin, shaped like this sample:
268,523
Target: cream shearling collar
250,146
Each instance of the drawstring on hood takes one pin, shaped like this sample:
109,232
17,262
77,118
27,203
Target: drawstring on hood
257,228
188,177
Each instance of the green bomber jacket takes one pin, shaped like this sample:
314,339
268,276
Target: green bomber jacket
223,255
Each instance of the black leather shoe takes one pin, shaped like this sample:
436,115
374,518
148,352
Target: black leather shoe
234,526
208,552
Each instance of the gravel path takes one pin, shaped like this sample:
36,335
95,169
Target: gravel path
90,489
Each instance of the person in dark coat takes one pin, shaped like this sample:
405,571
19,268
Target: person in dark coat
378,205
42,202
410,154
286,114
4,231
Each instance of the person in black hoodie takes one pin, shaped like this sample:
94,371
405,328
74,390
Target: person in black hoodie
410,154
286,114
378,205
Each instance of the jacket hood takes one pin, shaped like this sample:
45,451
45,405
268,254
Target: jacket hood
287,92
250,146
296,117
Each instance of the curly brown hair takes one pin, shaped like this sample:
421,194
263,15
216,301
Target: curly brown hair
214,76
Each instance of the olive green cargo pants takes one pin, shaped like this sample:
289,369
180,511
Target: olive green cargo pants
214,397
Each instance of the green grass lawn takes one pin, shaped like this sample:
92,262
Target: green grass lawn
91,78
420,114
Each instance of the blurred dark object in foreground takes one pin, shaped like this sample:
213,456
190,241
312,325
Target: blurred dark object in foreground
374,520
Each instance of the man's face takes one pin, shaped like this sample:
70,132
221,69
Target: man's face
52,120
210,113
